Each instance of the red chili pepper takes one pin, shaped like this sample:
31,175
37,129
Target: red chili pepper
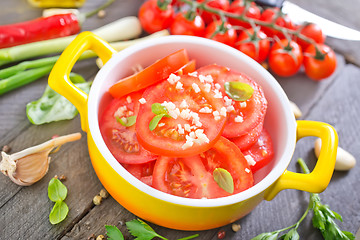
39,29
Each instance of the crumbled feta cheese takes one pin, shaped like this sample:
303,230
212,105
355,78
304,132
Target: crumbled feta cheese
239,119
184,104
201,136
180,129
142,100
243,104
195,87
205,110
216,115
207,78
223,111
228,101
128,99
217,86
230,108
250,160
179,86
185,114
207,87
247,170
187,127
161,124
172,79
120,111
193,74
187,144
218,94
130,113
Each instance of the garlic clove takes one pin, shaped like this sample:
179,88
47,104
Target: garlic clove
296,110
344,160
30,165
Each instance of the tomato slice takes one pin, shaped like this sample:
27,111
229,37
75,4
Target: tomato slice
187,68
143,172
189,130
192,177
156,72
247,114
247,140
121,140
261,152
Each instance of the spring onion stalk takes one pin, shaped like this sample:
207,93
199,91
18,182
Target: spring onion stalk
122,29
23,78
29,71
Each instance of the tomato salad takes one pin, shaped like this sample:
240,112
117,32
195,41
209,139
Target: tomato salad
195,133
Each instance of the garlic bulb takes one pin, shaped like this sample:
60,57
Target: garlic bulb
30,165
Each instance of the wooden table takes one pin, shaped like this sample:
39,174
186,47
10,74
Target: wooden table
24,211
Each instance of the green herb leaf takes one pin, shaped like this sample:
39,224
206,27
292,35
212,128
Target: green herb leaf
292,235
155,121
141,230
224,179
238,91
113,233
57,191
52,106
59,212
266,236
158,109
129,121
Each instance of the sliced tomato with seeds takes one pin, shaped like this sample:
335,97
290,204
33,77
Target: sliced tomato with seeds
152,74
121,140
187,131
192,177
247,114
247,140
262,151
143,172
187,68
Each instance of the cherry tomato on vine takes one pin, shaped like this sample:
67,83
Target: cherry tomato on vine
218,4
238,6
285,58
312,31
319,65
154,18
185,24
255,45
274,14
221,32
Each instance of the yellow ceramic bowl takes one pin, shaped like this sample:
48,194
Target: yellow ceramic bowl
177,212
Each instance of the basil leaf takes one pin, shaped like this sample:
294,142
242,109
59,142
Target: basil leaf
238,91
266,236
52,106
141,230
154,122
224,179
113,233
59,212
157,109
57,191
292,235
129,121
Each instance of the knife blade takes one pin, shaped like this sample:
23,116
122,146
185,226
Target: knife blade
300,15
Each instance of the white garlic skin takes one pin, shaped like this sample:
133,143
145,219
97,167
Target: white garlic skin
344,160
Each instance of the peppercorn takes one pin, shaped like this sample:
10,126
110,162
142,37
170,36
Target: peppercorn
221,234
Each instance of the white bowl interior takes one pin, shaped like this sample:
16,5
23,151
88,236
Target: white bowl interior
279,120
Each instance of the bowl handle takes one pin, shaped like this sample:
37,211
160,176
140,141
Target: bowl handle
319,178
59,77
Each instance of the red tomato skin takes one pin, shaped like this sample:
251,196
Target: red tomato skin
186,177
183,26
245,141
262,151
154,19
143,172
319,69
256,106
155,141
282,63
260,53
228,38
117,136
269,15
237,7
218,4
312,31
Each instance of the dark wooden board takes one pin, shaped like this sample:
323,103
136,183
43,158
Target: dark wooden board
24,210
